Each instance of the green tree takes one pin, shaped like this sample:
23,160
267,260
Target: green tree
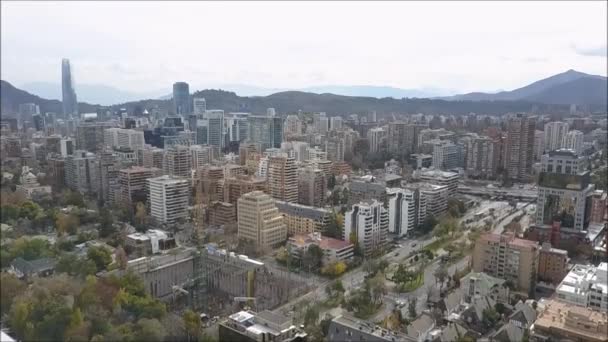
106,223
193,325
11,288
74,198
411,307
311,316
441,274
101,256
150,330
490,318
334,227
331,182
313,258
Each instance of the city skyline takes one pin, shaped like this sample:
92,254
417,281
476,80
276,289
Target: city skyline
397,47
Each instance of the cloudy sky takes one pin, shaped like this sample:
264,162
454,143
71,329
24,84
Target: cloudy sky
144,46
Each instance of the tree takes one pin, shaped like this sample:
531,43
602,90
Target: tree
121,258
311,316
11,288
193,324
411,307
490,317
428,224
101,256
106,223
331,182
313,258
74,198
334,227
377,287
141,213
150,330
66,224
441,275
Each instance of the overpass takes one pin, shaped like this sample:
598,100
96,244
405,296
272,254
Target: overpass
522,195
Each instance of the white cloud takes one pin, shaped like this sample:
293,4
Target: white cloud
142,46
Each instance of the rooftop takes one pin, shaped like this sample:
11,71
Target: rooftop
567,320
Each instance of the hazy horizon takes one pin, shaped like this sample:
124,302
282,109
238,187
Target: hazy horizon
460,47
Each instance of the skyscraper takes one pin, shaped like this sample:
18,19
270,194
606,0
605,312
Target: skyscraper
181,98
519,146
573,140
215,133
69,101
554,135
367,224
282,178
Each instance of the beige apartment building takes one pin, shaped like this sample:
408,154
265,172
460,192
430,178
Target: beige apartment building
259,220
507,257
283,178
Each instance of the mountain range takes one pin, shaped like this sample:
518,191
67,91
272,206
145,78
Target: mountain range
550,95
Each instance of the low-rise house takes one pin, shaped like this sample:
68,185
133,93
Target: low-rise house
249,326
347,328
24,269
453,332
482,284
152,241
420,329
333,249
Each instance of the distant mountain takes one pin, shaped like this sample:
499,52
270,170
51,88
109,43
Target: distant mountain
91,93
570,87
378,91
11,98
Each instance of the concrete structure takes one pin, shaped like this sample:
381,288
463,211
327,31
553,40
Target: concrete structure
401,211
446,155
431,200
403,137
248,326
123,138
199,106
376,137
234,187
259,220
367,224
419,161
150,156
585,285
153,241
539,144
366,188
519,146
90,135
222,213
507,257
334,250
312,185
201,155
181,99
481,157
348,328
69,100
82,172
133,184
552,264
282,178
302,219
215,127
574,140
30,186
438,177
168,196
178,161
334,147
558,321
554,134
599,207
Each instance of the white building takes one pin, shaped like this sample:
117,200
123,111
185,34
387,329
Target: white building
438,177
123,138
554,135
446,155
585,285
335,123
376,136
67,147
199,105
401,211
432,199
367,224
573,140
168,197
201,155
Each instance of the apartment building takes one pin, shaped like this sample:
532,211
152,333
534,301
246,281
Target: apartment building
168,196
334,250
302,219
585,285
438,177
507,257
519,146
133,185
367,224
401,210
312,186
282,178
559,321
552,264
260,221
178,161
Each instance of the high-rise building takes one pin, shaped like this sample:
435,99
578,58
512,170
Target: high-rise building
181,99
564,193
480,153
149,156
599,207
236,126
519,146
199,106
266,131
124,138
260,221
554,135
271,112
431,200
69,101
574,140
133,185
539,144
82,172
507,257
376,137
90,135
215,124
311,187
367,224
438,177
293,125
168,196
401,211
446,155
303,219
39,122
201,155
282,178
334,147
335,123
403,137
552,264
177,161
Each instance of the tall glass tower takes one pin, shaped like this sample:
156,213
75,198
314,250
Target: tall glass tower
69,101
181,98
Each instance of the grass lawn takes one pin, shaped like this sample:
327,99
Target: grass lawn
412,285
437,244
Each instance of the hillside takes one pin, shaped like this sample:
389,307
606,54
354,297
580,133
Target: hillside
570,87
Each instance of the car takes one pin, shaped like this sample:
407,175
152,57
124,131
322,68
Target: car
397,254
414,245
400,246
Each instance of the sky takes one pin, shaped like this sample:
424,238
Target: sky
145,46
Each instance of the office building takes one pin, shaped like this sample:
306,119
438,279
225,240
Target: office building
554,134
367,224
81,172
283,178
259,221
150,156
293,125
585,285
552,264
168,197
303,219
431,200
335,123
181,99
419,161
334,147
248,326
237,127
438,177
39,122
124,138
69,101
90,135
519,146
235,186
215,128
446,155
377,138
507,257
133,183
199,106
177,161
222,213
312,185
401,211
348,328
559,321
201,155
573,140
366,188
